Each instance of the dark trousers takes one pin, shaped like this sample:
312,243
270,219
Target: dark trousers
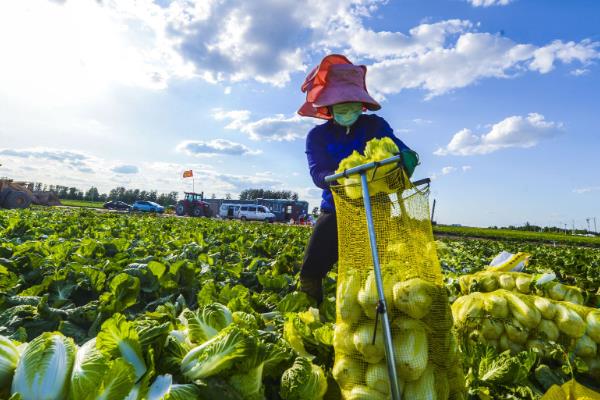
322,250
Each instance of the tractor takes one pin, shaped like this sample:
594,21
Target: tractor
193,205
19,195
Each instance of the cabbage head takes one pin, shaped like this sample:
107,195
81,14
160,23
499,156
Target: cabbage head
9,356
363,341
593,325
368,296
303,381
347,298
347,371
364,393
45,366
352,185
207,322
414,297
95,377
118,338
218,354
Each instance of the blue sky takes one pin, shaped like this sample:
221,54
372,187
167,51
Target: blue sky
499,97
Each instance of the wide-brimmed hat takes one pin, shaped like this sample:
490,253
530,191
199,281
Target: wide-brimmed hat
336,80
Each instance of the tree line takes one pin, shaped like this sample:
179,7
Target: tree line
252,194
131,195
119,193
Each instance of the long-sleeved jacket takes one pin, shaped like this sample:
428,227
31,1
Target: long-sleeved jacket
328,144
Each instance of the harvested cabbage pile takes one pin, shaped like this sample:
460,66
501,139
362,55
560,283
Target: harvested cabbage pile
488,281
426,356
511,321
375,150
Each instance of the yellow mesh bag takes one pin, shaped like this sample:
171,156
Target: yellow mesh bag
570,391
511,321
520,282
426,355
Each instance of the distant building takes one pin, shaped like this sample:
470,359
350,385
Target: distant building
284,210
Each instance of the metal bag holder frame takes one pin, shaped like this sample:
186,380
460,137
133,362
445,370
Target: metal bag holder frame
382,306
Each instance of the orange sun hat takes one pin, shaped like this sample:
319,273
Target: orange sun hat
335,80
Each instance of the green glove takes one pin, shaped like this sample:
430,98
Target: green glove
410,160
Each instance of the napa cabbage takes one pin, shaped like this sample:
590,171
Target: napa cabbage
347,371
218,354
9,357
118,338
368,297
372,352
423,388
548,330
523,310
569,322
585,347
411,348
496,305
347,298
364,393
491,329
545,306
44,368
506,282
207,322
574,296
593,325
378,378
303,381
414,297
352,184
343,338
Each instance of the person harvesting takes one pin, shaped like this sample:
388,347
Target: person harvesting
336,91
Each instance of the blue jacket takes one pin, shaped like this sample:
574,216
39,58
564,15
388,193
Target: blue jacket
328,144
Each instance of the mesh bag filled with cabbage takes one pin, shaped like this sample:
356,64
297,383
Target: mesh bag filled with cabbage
425,352
512,321
519,282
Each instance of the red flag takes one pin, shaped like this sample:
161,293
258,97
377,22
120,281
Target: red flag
188,174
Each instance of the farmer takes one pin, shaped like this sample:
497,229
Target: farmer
336,91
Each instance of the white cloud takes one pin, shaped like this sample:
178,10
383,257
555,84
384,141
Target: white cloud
80,49
274,128
236,118
422,121
580,71
488,3
471,57
125,169
587,189
448,170
515,131
278,128
214,147
38,157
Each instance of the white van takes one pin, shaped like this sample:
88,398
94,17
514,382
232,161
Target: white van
229,211
255,213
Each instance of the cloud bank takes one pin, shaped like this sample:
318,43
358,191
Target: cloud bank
512,132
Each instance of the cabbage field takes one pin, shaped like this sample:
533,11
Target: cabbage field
112,306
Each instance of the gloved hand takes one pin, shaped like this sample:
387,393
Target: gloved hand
410,160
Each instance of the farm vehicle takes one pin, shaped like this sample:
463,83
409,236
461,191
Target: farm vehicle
193,204
19,195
